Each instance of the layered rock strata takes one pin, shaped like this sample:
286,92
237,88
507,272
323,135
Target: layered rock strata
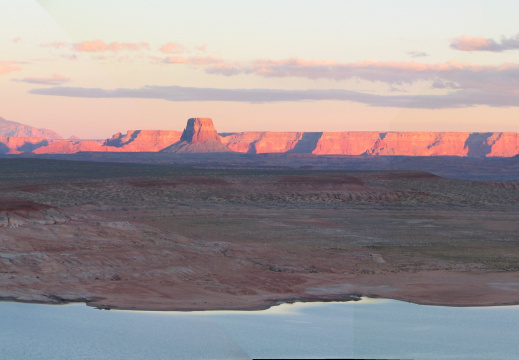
200,136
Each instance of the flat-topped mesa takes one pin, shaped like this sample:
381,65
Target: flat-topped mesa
199,130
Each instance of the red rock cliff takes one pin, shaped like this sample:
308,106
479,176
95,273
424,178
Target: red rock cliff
200,136
376,143
199,130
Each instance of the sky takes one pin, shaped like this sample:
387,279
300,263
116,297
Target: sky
93,68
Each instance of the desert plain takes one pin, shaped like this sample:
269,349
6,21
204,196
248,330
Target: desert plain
195,236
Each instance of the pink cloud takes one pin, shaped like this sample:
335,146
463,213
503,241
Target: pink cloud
202,48
8,66
470,43
194,60
55,79
176,60
101,46
17,40
172,48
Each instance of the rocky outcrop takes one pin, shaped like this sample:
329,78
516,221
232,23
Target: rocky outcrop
208,146
72,146
14,129
377,143
132,141
263,142
200,136
19,145
16,212
503,144
143,140
199,130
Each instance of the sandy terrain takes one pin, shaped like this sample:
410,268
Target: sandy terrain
162,237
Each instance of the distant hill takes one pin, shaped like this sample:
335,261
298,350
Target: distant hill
11,128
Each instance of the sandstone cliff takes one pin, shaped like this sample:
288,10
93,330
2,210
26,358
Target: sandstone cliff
132,141
200,136
143,140
376,143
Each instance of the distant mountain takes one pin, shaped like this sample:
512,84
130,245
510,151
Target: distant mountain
11,128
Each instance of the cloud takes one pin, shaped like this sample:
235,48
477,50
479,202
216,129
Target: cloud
503,77
417,54
172,48
8,66
194,60
176,60
469,43
55,79
70,57
202,48
101,46
456,99
17,39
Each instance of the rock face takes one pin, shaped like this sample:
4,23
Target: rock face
132,141
200,136
199,130
11,128
143,140
376,143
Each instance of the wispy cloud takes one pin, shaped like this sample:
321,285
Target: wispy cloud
172,48
456,99
17,39
470,43
416,54
8,66
176,60
194,60
502,78
55,79
101,46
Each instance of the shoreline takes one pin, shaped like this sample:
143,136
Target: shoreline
265,305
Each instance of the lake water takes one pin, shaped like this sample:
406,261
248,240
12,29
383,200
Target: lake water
364,329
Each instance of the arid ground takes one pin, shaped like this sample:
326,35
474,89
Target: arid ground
164,237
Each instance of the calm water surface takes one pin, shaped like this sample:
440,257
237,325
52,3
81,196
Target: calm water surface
364,329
